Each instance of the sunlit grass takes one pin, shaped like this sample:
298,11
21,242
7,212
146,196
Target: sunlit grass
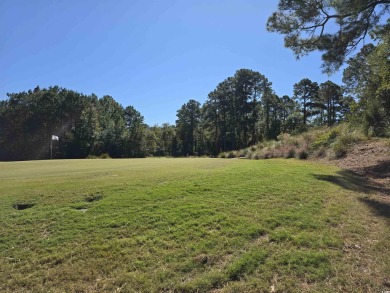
189,225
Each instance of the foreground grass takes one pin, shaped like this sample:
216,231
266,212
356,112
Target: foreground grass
187,225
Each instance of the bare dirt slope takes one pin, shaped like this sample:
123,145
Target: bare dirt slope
370,159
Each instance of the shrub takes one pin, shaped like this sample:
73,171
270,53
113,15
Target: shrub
341,145
257,156
290,153
321,152
104,156
222,155
243,153
339,150
325,139
303,155
92,157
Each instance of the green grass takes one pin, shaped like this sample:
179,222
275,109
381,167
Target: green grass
186,225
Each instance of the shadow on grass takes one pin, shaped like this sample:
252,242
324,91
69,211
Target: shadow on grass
381,209
355,182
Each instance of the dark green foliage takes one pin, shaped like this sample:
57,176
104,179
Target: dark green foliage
368,77
306,92
187,124
29,119
243,110
86,126
310,25
377,122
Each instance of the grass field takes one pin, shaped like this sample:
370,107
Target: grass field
188,225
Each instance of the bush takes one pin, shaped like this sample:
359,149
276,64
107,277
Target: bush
303,155
104,156
257,156
340,147
339,150
325,139
290,154
92,157
222,155
321,152
244,153
376,120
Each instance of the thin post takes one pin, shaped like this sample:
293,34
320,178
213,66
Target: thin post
51,149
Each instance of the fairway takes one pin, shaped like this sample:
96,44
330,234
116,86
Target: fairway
187,225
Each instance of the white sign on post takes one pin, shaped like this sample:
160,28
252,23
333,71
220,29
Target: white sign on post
54,137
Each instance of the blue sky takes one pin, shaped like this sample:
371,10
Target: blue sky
153,55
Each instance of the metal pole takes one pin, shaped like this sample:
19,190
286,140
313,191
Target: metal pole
51,149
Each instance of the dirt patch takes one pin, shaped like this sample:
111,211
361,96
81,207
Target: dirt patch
369,159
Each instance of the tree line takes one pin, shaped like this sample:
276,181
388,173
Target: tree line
242,110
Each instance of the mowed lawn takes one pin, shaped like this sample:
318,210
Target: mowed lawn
188,225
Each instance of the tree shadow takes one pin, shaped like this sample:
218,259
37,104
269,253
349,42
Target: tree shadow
354,181
380,170
381,209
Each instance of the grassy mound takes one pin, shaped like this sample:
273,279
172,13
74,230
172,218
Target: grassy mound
323,142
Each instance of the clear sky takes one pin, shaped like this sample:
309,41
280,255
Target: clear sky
153,55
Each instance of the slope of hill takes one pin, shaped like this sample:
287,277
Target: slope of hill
370,159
